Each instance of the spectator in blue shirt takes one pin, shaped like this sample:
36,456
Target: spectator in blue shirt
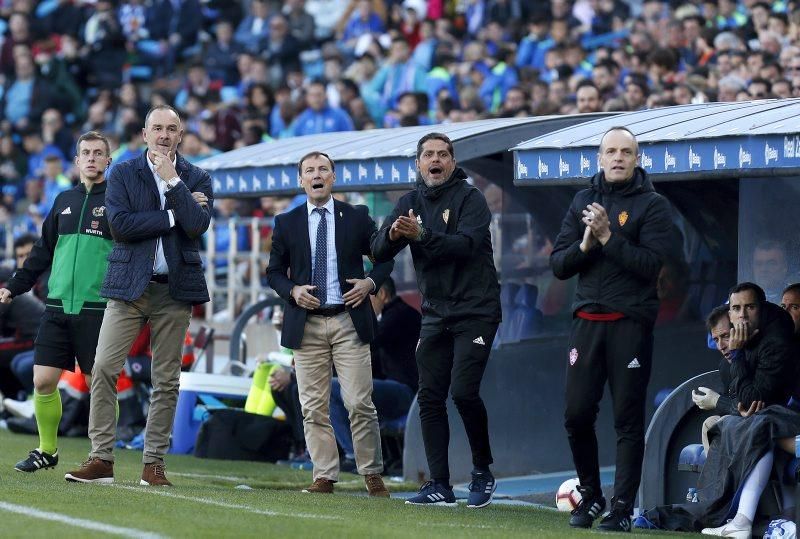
253,31
398,75
529,47
406,113
319,117
363,21
37,151
54,181
220,56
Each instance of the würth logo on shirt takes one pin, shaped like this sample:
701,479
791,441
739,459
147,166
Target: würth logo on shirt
67,211
479,340
634,364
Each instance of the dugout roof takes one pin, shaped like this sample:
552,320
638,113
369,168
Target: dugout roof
368,160
750,138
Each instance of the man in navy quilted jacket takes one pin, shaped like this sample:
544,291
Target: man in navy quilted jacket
159,206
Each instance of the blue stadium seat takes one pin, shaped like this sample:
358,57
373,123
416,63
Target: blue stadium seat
526,319
662,394
692,458
508,291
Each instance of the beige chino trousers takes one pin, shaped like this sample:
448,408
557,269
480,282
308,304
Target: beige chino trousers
332,341
122,322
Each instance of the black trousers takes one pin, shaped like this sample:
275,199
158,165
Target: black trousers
9,348
289,401
453,356
621,352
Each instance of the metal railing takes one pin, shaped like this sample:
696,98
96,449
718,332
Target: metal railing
237,282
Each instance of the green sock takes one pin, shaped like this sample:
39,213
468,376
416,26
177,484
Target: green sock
48,416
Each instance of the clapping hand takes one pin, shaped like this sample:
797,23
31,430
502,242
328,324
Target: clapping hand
405,227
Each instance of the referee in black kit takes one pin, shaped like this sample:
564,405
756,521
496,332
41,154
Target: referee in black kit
615,237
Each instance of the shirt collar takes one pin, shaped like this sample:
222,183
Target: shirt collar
328,206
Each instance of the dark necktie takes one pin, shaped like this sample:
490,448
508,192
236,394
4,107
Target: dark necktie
320,277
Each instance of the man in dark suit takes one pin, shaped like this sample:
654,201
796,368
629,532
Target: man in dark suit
158,207
316,265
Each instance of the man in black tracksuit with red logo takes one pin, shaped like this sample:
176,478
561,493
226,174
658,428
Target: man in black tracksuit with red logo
615,237
445,221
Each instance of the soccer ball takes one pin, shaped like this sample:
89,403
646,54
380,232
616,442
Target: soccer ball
568,497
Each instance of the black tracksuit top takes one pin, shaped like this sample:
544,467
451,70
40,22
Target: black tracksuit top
619,276
454,261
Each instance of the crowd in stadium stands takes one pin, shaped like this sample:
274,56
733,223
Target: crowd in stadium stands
247,71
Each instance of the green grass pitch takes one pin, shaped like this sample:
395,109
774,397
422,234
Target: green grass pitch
205,503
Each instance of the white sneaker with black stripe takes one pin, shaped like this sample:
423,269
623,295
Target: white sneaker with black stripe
434,493
37,460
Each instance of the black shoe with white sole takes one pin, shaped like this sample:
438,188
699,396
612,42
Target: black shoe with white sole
618,519
590,507
37,460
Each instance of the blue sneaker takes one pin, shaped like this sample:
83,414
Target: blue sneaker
481,489
301,462
644,523
433,493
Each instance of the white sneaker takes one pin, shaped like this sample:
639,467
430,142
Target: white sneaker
16,408
730,530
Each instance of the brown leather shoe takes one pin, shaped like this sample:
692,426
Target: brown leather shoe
94,470
154,474
320,486
375,486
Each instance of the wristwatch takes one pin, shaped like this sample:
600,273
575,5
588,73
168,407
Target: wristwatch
423,233
172,182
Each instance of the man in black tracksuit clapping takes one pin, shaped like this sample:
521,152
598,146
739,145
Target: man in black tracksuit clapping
445,221
615,237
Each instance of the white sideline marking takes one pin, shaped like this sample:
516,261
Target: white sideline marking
209,476
226,505
77,522
236,478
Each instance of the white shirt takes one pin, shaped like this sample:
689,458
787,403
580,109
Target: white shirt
160,263
334,289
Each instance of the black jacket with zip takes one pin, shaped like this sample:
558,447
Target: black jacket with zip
454,260
766,369
619,276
